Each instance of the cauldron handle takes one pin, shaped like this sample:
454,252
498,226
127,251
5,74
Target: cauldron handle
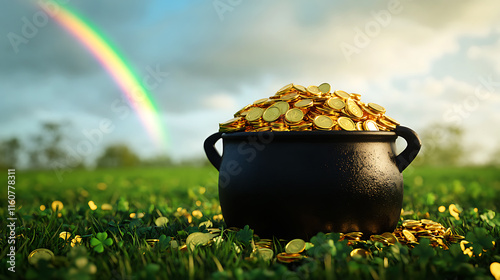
413,146
212,154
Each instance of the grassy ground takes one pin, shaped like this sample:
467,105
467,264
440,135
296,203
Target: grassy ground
116,213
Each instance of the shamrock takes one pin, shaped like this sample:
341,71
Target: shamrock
101,241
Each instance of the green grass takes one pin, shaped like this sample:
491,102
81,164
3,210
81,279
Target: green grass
176,192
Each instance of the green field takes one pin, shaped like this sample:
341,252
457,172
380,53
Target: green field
114,246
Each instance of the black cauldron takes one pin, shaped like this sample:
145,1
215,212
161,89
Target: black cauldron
296,184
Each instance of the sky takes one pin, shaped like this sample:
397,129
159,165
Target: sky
426,62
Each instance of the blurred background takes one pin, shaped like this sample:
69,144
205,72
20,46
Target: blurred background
88,84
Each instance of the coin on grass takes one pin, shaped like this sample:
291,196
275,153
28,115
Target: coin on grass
271,114
346,123
359,253
152,242
65,235
288,258
254,114
161,221
294,115
324,88
409,236
40,254
390,237
295,246
495,270
198,238
265,253
323,122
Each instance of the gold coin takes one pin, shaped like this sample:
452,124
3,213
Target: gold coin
495,270
285,88
335,103
346,123
342,94
230,122
377,108
271,114
265,253
152,242
359,253
409,236
288,258
370,125
359,126
198,238
294,115
390,237
313,90
161,221
254,114
40,254
282,106
324,88
295,246
391,120
260,101
290,96
354,109
356,96
304,103
300,88
64,235
323,122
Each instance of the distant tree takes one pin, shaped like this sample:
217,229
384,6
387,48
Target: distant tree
495,158
46,146
442,145
118,155
157,161
9,152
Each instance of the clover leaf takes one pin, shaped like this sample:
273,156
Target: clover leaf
100,241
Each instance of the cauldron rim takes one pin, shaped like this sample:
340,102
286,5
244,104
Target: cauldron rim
338,134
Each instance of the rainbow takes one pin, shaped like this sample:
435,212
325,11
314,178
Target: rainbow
137,95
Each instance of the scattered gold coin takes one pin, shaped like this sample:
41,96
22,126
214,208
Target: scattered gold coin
295,246
495,270
40,254
265,253
198,238
359,253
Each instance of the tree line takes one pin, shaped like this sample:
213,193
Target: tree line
442,146
47,146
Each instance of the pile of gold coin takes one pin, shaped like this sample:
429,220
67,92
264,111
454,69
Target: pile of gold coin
297,108
412,231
